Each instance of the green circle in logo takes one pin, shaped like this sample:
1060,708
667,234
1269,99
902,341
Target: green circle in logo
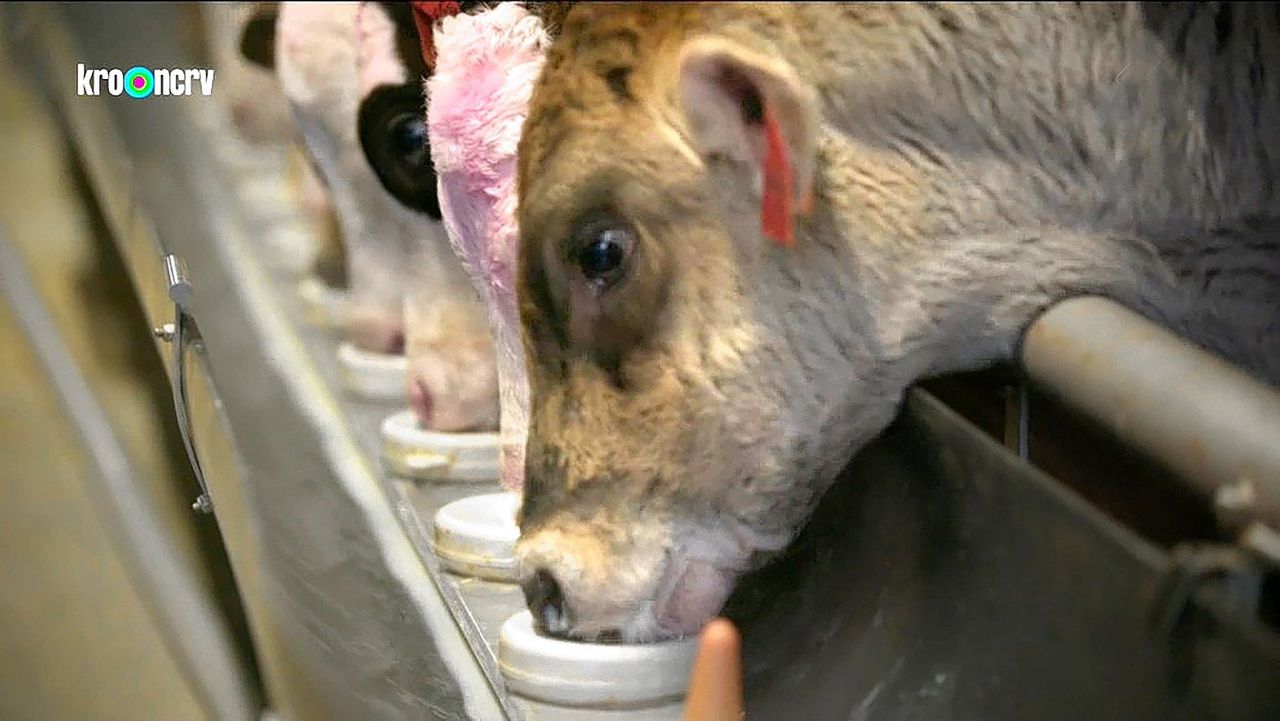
138,82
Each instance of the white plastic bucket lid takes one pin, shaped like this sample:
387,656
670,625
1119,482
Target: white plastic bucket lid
322,303
410,451
374,376
592,675
476,536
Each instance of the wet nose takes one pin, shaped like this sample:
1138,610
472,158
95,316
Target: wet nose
546,603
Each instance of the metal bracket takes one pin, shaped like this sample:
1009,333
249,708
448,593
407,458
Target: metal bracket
1239,567
1017,419
180,334
1193,566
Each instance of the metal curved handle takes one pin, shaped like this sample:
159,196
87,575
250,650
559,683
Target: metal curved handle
179,334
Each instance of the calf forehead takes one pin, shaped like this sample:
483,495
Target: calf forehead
601,66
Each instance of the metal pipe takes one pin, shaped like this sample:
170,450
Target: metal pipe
1212,424
189,622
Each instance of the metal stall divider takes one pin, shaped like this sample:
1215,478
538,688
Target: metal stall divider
192,627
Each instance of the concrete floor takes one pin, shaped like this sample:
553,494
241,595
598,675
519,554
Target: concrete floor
76,642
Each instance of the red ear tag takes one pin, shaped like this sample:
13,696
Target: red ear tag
425,15
775,211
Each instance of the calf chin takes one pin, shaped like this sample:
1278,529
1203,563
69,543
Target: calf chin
453,383
374,328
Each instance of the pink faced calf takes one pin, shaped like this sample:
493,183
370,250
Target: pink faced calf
487,64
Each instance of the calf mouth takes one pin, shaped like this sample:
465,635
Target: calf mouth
691,584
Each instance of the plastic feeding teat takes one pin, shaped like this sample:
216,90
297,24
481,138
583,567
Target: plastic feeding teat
552,678
410,451
321,302
476,536
373,376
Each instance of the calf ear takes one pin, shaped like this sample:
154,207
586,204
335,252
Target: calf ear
752,106
258,36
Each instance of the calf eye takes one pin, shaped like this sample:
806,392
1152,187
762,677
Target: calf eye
408,134
392,126
603,250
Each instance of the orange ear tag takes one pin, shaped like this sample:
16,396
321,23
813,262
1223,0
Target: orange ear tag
775,210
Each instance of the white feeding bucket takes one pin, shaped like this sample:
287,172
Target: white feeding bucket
476,536
373,376
410,451
550,678
322,303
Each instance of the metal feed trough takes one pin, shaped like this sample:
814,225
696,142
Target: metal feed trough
1111,553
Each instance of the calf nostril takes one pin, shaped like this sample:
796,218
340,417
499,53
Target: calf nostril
546,602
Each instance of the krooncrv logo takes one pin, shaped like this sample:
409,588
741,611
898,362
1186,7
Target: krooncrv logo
139,82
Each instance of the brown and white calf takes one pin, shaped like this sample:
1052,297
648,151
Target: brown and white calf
747,228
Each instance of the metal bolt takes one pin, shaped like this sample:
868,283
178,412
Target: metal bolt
202,504
164,332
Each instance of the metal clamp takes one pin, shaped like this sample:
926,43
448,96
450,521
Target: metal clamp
181,333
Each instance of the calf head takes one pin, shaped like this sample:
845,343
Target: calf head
261,113
680,370
352,75
745,230
452,373
708,343
239,36
315,60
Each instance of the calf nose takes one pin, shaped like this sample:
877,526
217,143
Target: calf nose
420,401
546,603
